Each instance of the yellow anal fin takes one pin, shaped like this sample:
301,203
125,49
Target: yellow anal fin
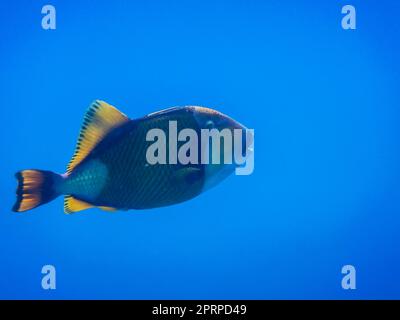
99,120
74,205
109,209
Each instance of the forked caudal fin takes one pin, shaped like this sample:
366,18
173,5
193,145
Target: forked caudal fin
35,187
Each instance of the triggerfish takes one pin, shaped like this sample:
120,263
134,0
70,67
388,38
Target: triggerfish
110,168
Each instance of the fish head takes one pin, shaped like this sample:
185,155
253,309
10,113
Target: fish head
231,154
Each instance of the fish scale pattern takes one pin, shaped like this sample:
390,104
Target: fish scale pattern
132,183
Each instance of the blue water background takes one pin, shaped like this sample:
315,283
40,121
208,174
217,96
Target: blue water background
325,106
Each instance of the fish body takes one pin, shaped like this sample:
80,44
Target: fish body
110,168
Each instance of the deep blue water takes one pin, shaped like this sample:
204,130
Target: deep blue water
324,103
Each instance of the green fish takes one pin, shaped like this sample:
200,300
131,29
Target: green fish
110,168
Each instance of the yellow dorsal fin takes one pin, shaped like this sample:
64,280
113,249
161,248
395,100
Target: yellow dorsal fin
74,205
99,120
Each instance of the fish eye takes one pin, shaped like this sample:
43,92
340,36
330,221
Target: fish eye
210,124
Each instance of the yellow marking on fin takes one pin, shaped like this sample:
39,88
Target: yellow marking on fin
74,205
29,192
29,201
109,209
99,120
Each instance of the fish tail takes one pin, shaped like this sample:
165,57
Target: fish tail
35,187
